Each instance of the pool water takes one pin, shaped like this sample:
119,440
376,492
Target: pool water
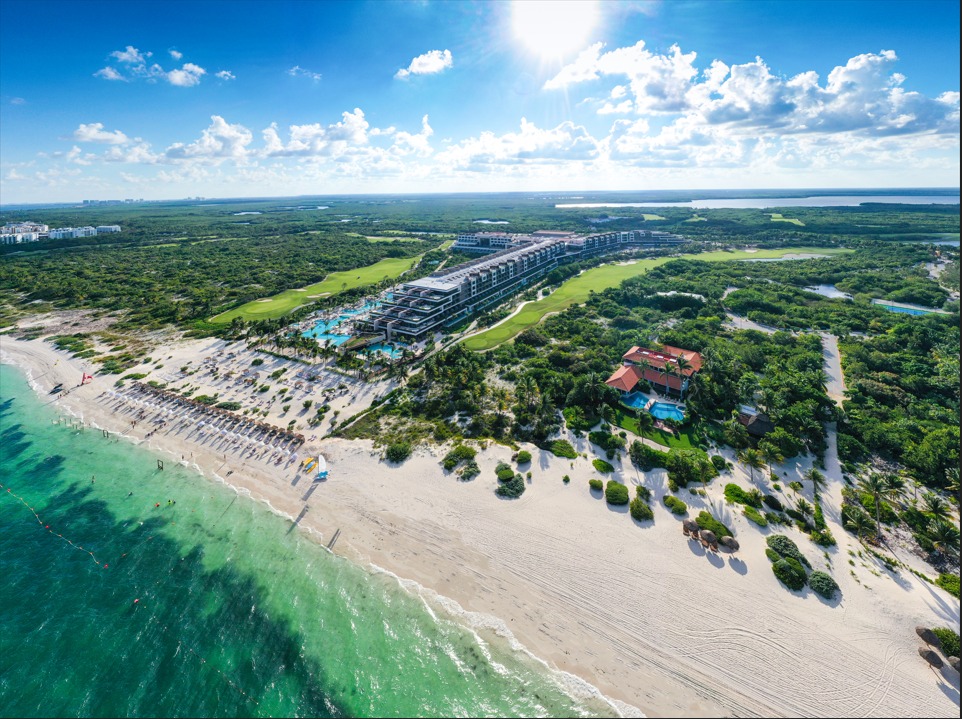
664,410
904,310
636,400
392,351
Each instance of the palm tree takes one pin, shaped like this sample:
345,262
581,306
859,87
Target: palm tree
877,486
666,372
752,459
858,522
952,476
644,365
682,364
944,537
935,506
803,506
770,455
817,479
607,414
896,487
645,420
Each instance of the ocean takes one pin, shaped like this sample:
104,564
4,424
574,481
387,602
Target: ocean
128,590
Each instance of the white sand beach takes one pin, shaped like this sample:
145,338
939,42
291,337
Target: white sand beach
637,611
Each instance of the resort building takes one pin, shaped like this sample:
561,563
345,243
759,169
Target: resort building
668,370
584,246
440,300
513,261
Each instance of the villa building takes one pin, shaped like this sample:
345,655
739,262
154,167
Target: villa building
668,370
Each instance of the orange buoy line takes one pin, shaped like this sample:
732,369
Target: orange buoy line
105,565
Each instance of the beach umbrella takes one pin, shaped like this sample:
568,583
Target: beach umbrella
708,536
954,663
931,657
928,636
689,526
730,542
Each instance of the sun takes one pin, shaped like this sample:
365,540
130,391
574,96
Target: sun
553,28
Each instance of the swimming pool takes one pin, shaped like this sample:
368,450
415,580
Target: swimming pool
635,400
904,310
666,410
392,351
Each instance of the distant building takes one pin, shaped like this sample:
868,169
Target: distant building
585,245
104,229
23,227
15,238
68,233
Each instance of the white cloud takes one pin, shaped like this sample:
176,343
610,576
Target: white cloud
175,54
225,75
17,101
187,76
94,132
863,96
108,73
431,62
531,145
316,140
407,143
298,71
220,141
131,56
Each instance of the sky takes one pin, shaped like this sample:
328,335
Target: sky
164,100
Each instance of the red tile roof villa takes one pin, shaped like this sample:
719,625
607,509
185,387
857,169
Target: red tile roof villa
658,359
627,376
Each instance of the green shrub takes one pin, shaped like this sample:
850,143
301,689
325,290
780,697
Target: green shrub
640,510
819,517
646,458
616,493
602,466
563,448
205,399
737,495
772,502
257,362
523,457
949,641
755,516
513,487
469,471
719,462
791,575
795,486
458,454
596,484
643,492
823,584
704,520
672,485
950,583
134,375
786,548
886,513
772,555
397,452
675,505
823,537
612,444
231,406
566,479
505,474
775,518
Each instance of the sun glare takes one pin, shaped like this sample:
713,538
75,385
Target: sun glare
553,28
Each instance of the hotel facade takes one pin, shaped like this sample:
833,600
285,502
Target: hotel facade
510,262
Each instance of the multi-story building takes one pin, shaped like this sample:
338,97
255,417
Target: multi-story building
13,228
104,229
440,300
67,233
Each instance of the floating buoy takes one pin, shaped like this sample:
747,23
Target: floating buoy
136,601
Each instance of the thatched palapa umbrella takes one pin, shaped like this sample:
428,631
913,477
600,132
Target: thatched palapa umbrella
928,636
954,663
690,527
708,539
729,543
931,656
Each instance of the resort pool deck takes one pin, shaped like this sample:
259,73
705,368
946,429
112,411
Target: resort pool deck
907,309
392,351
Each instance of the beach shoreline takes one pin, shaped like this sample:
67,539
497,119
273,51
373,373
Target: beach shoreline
634,611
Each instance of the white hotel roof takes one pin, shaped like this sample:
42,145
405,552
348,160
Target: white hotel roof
453,279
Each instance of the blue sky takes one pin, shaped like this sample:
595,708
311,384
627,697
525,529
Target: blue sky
170,99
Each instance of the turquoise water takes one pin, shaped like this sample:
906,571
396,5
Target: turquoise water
666,410
637,400
903,310
237,614
392,351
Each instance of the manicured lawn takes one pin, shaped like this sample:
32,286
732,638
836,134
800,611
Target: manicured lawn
627,421
577,289
776,217
652,217
280,304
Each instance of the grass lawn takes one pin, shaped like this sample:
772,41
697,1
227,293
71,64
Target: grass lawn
776,217
280,304
697,218
627,421
577,289
652,217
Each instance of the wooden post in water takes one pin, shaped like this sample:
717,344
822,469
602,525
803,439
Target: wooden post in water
160,464
106,433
